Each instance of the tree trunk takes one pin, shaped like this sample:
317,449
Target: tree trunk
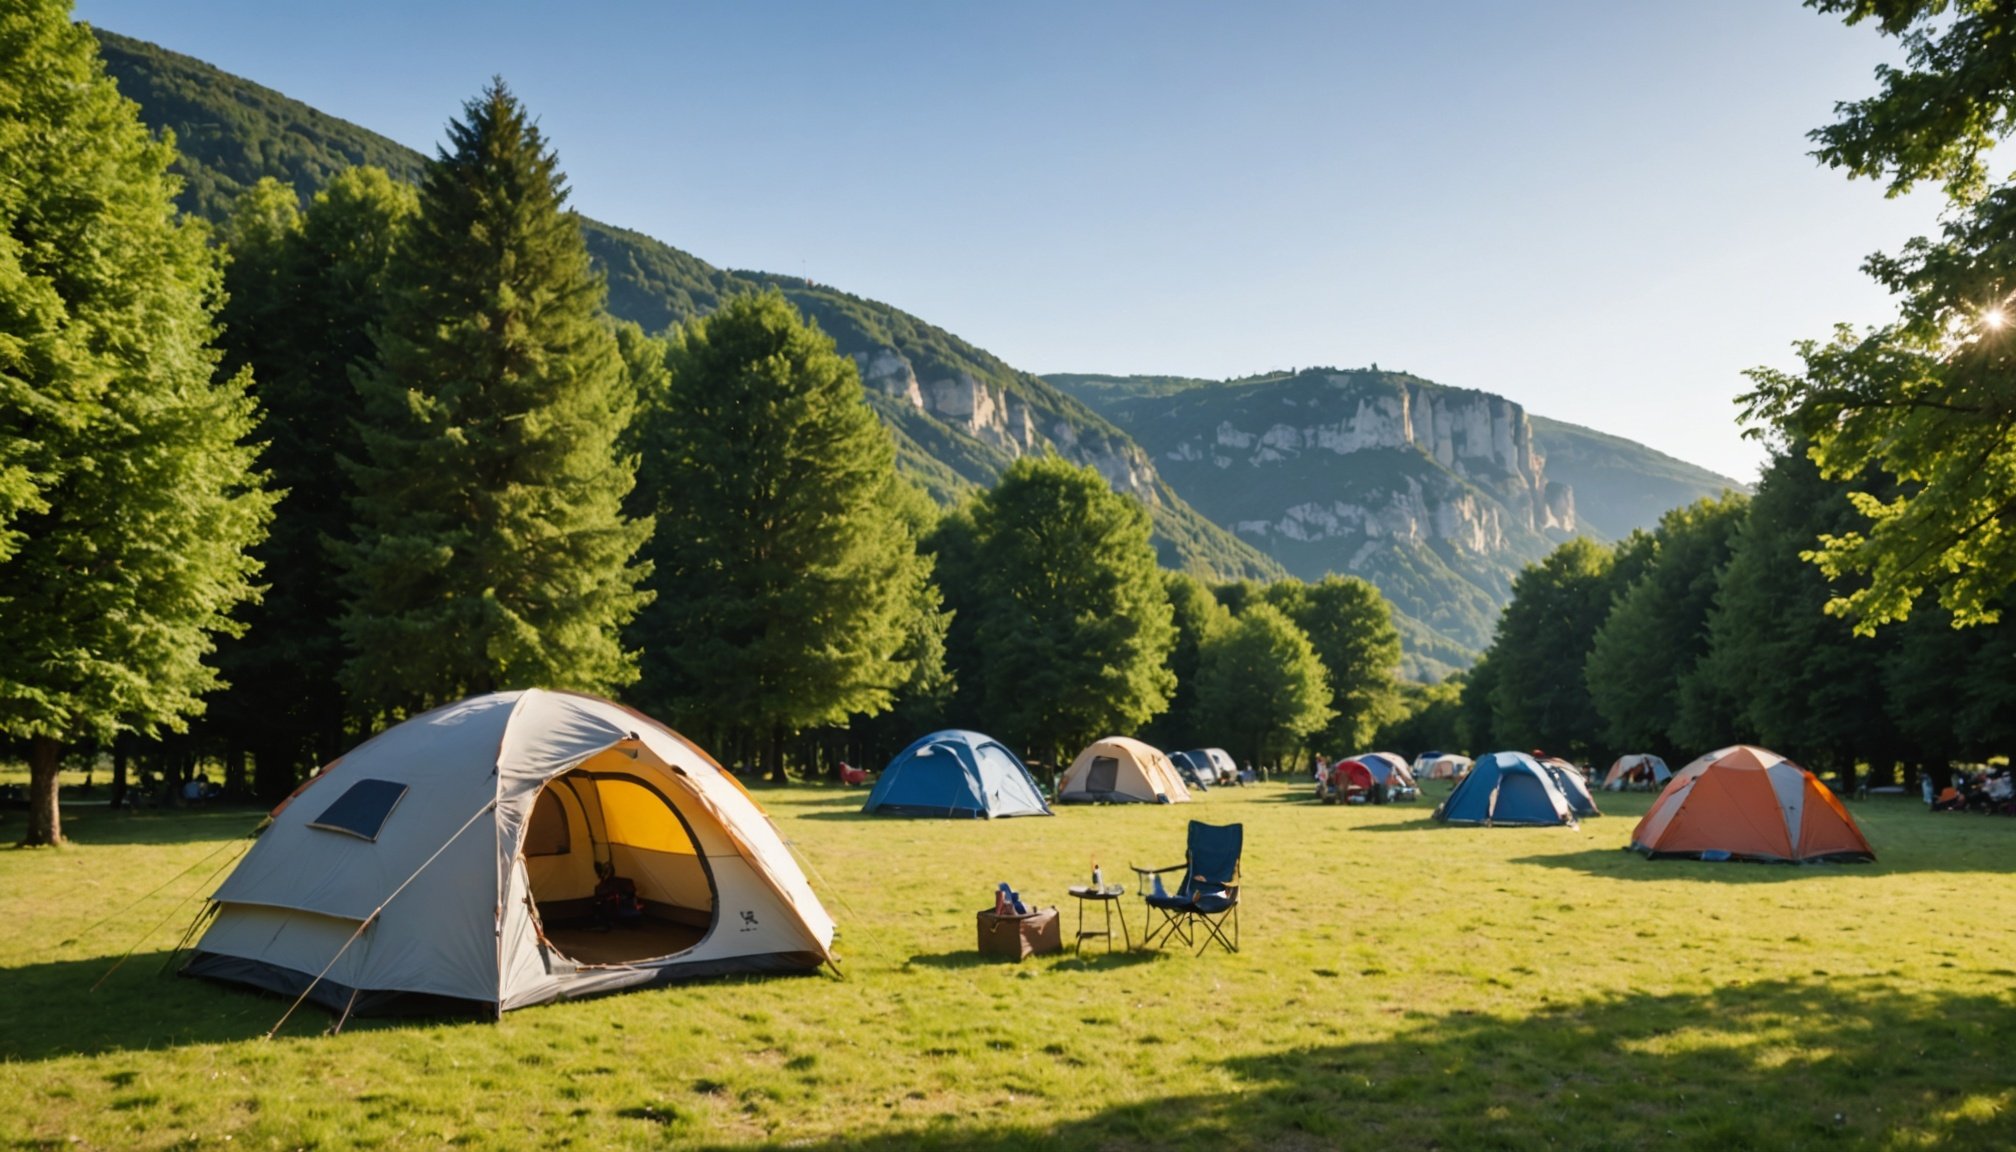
119,758
234,772
776,754
45,816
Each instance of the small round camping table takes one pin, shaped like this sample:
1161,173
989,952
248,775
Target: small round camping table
1107,897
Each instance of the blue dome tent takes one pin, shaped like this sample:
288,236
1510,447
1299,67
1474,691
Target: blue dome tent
956,773
1506,788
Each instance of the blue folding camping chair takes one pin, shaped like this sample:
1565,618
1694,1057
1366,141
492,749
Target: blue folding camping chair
1198,912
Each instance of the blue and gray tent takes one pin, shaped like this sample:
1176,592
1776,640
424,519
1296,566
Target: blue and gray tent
1506,788
959,774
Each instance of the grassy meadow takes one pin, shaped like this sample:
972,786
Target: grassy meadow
1402,985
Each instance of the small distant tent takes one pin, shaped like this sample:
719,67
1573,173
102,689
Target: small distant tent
452,863
1387,769
1440,766
1121,770
1636,768
1214,762
956,773
1746,803
1195,773
1573,784
1506,788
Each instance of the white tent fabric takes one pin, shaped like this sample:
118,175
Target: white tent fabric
1636,766
445,887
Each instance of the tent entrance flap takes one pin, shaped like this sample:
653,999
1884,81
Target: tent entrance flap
618,869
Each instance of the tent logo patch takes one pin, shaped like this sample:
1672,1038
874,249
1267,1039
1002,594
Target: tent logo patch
748,920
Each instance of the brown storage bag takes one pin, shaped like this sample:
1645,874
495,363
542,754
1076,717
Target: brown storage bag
1017,936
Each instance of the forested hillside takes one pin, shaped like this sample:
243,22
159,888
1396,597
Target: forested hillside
959,413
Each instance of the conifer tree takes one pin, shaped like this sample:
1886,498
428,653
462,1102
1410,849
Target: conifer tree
1075,627
492,549
128,493
789,585
305,290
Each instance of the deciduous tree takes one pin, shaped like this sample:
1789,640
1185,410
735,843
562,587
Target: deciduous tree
1075,627
1260,680
129,496
790,589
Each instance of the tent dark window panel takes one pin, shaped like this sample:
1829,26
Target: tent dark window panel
362,810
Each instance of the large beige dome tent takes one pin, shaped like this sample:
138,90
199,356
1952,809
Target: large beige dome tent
452,862
1119,770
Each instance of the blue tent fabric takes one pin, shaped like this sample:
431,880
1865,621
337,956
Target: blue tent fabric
957,774
1574,789
1506,788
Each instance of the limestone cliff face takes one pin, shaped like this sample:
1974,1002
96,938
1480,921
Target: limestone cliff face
1007,422
1483,439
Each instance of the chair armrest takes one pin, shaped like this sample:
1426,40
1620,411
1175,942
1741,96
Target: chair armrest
1140,871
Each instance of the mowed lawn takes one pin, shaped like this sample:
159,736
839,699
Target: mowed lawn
1402,985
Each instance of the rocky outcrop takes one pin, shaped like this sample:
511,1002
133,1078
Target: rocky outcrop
1007,422
1483,439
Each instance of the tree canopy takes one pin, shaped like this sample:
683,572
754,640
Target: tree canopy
492,549
790,591
1261,680
1075,627
129,494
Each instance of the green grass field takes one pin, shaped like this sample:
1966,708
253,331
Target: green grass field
1402,985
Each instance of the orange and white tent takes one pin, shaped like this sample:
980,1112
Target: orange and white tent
1745,803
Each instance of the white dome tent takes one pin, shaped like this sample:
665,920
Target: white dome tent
452,862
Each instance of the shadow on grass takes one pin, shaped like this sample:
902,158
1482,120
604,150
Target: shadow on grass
1095,958
1624,864
97,824
1776,1064
51,1010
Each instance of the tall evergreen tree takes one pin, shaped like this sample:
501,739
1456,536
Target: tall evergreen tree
1074,632
788,580
128,493
492,549
305,290
1260,679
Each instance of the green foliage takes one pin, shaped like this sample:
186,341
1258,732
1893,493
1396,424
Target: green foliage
1780,672
1658,629
304,292
1539,698
1922,408
1260,680
1430,717
789,588
492,550
1351,626
1930,401
129,495
1198,616
1074,629
1937,117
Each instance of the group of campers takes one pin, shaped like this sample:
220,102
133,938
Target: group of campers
524,847
1986,790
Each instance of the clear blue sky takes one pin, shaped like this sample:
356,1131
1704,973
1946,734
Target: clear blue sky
1604,210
